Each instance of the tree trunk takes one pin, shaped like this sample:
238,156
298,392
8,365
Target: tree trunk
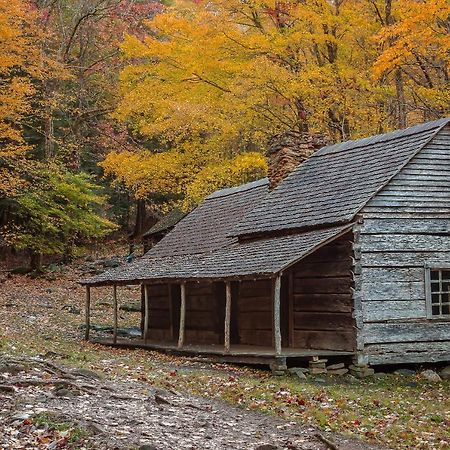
400,98
48,138
141,217
36,262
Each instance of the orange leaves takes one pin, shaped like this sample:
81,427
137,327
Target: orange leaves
419,30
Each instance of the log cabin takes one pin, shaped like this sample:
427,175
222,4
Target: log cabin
344,253
164,225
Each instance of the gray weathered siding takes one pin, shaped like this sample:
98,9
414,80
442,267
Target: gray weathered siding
405,226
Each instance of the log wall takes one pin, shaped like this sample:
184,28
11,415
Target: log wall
405,226
255,313
205,312
322,298
159,313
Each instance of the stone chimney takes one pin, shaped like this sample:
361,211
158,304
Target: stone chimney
289,149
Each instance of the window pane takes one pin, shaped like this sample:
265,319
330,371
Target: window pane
446,287
434,274
435,310
435,298
445,297
445,309
446,275
435,287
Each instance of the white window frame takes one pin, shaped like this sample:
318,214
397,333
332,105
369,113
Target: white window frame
428,268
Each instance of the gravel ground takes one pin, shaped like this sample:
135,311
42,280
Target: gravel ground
37,396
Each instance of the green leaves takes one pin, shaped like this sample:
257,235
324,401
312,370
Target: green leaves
58,211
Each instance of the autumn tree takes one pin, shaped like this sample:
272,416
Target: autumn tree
215,79
414,57
44,207
20,64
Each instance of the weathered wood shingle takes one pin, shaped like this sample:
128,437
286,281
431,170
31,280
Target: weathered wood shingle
315,204
200,246
337,181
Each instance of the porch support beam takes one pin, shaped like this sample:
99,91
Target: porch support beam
276,314
88,313
146,312
115,314
227,316
182,315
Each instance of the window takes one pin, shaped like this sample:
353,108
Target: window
438,292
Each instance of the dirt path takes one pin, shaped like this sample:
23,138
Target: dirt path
45,406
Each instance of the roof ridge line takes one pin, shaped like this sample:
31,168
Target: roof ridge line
370,140
236,189
421,147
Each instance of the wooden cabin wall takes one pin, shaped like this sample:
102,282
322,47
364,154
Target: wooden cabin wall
254,311
205,312
322,298
159,312
405,226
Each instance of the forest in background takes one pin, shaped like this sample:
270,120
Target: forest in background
112,112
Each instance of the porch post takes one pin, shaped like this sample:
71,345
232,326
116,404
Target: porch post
276,315
146,312
115,314
182,315
88,312
227,316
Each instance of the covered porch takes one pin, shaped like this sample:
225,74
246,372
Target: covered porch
302,311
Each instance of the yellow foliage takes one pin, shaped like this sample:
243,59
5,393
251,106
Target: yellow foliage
180,176
20,62
215,79
417,44
241,169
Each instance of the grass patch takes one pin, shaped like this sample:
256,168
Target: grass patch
61,430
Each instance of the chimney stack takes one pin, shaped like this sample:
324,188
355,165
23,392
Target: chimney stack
289,149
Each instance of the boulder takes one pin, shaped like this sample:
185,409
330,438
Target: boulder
342,371
431,375
336,366
129,332
445,373
294,370
298,373
405,372
380,375
72,309
361,371
131,307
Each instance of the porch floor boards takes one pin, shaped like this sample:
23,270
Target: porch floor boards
217,350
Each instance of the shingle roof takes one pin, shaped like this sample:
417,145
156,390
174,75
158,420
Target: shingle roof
334,184
315,204
263,257
206,229
166,222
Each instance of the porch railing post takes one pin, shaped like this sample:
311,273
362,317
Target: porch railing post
182,315
146,312
227,316
276,315
88,313
115,314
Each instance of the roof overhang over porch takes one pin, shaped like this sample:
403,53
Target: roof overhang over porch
253,259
